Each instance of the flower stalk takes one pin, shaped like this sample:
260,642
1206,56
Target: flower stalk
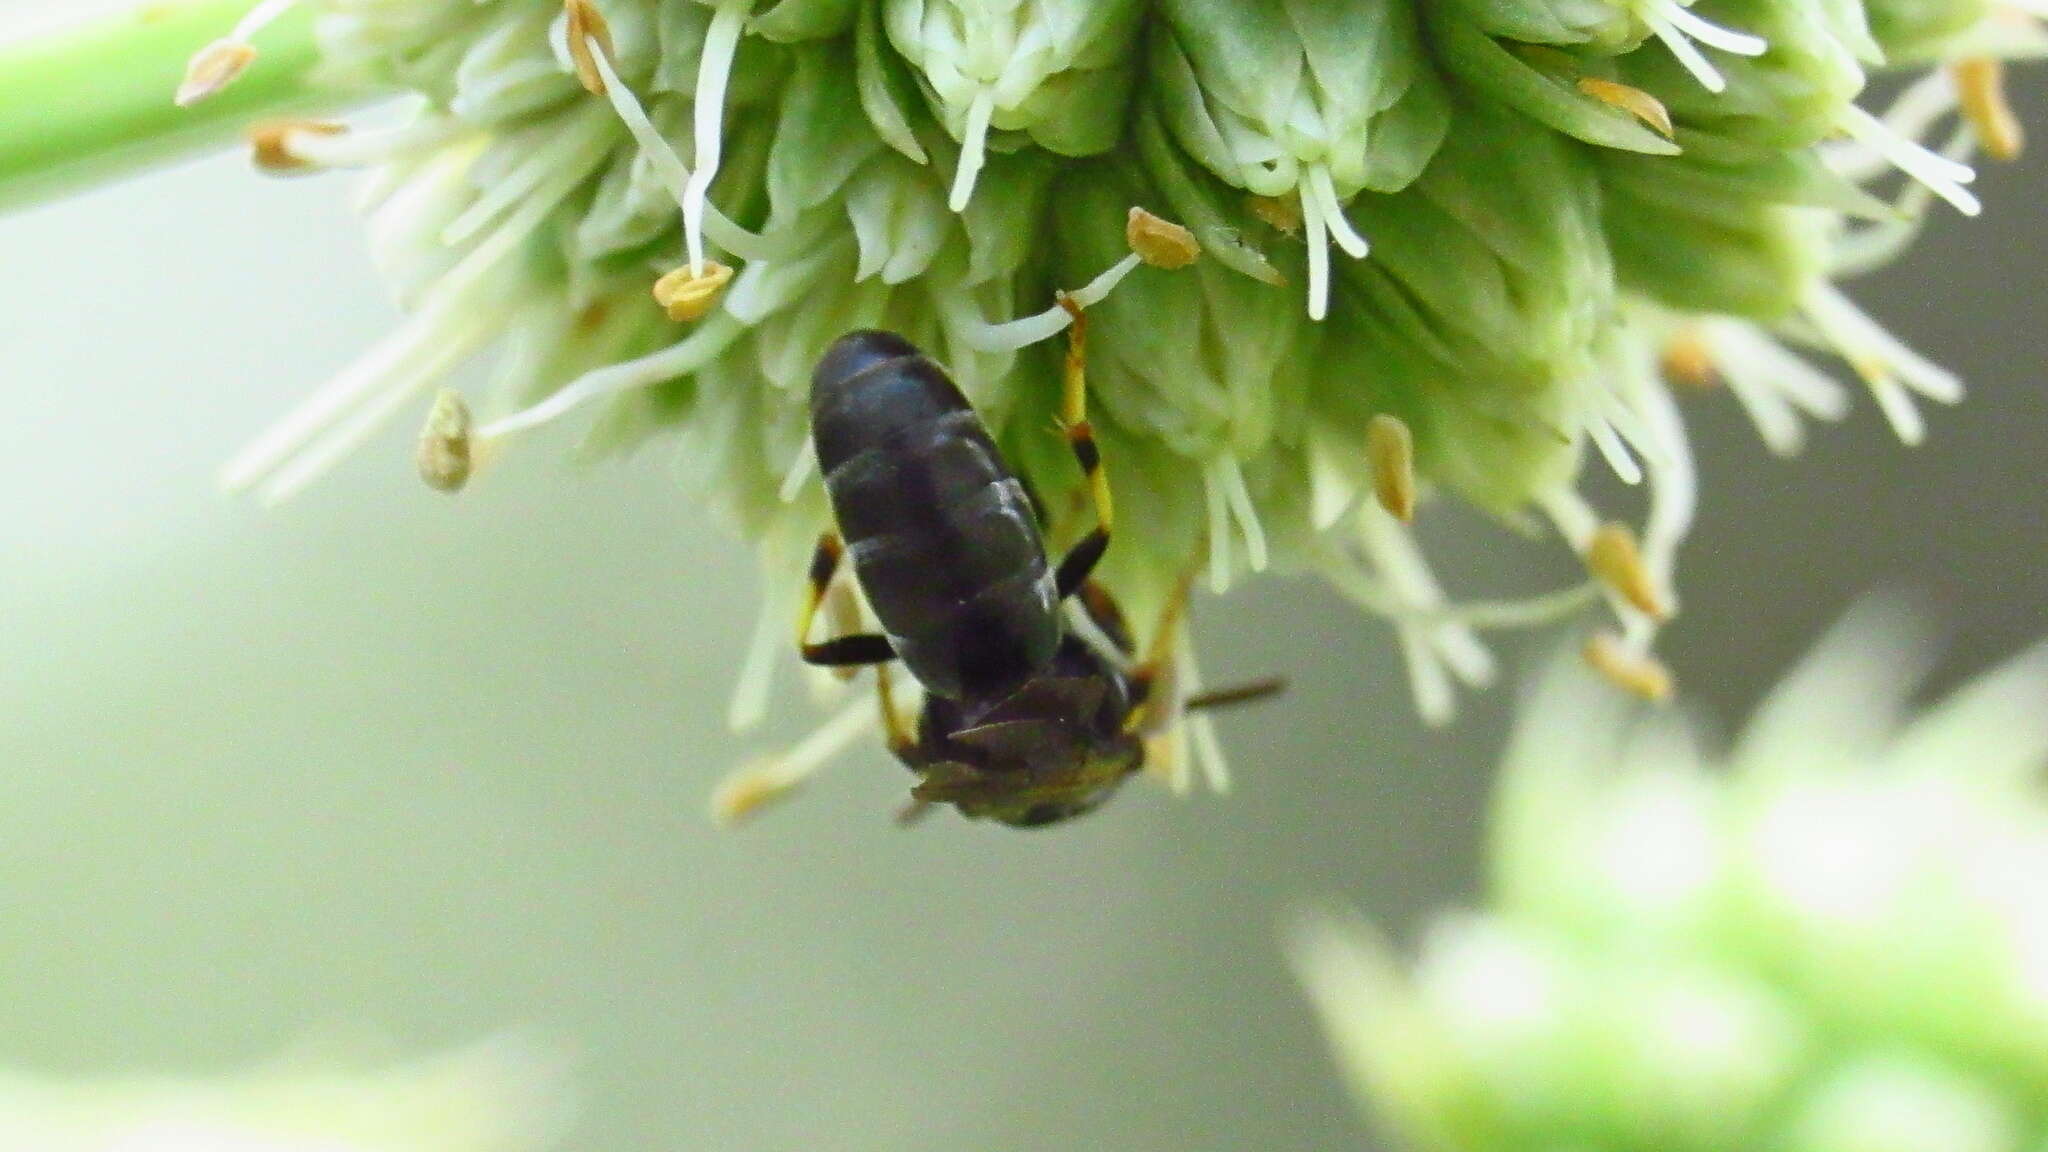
89,104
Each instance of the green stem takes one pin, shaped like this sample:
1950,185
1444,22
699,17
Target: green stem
85,105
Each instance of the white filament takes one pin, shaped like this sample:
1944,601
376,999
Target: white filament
677,360
714,72
1325,194
1315,231
1942,176
1894,372
451,298
1028,330
669,166
973,149
1677,27
260,17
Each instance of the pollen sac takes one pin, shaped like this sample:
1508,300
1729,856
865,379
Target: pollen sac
587,32
691,295
445,455
215,67
1635,672
1614,556
270,145
1160,243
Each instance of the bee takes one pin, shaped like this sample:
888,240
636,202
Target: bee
1025,721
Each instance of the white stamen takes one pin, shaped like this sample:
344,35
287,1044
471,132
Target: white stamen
1899,411
1435,648
678,360
1533,612
446,302
757,785
1707,32
973,149
1893,371
1912,114
358,148
670,167
799,474
1689,57
1943,176
1325,193
1435,700
721,43
1613,450
757,673
1575,519
1315,232
1028,330
580,149
1220,561
1231,478
1208,749
1332,486
260,17
445,345
1674,500
1772,384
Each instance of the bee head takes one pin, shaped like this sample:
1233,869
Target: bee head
1049,753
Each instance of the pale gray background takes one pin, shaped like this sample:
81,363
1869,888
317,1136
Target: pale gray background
386,761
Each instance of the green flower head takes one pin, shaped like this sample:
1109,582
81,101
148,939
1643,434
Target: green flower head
1447,249
1829,938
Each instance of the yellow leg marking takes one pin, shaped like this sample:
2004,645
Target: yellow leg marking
1159,672
901,741
1074,414
824,563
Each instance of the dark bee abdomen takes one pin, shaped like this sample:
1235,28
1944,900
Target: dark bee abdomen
941,535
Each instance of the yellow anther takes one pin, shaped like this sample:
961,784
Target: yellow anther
1634,101
1980,87
445,455
1390,447
1637,673
1283,213
1688,358
1159,242
690,296
586,24
745,793
272,149
1613,556
213,68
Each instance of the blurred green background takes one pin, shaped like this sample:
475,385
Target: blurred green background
382,761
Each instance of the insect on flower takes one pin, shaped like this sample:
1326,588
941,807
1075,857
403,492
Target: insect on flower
1025,721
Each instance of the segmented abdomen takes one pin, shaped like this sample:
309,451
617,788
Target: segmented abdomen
941,534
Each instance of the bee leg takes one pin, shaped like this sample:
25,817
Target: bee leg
901,740
903,743
913,812
1155,698
1103,611
1079,564
843,651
